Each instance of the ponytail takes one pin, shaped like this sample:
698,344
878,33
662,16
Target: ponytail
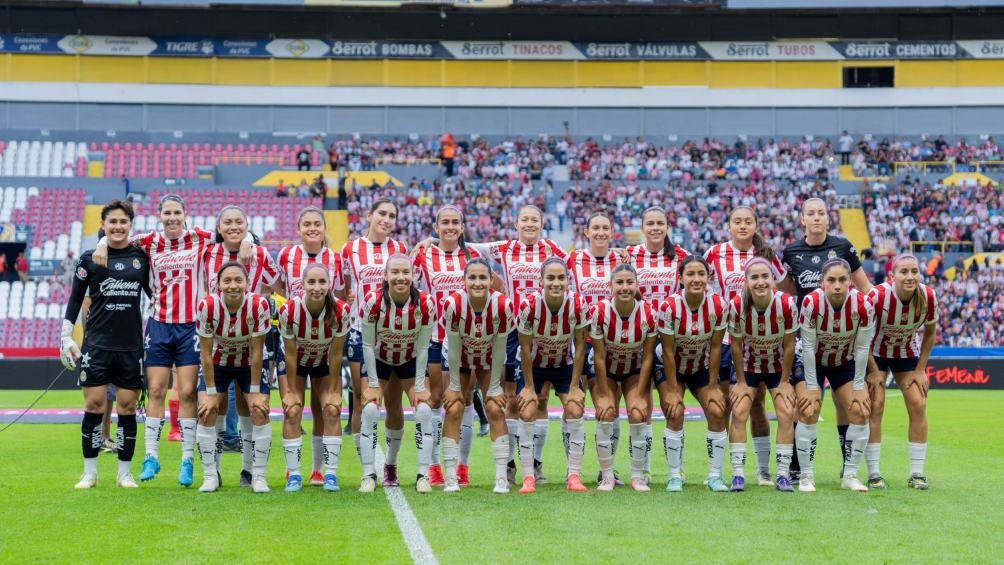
761,248
747,306
462,243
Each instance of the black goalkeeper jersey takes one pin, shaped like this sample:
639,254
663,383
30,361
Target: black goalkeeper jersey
114,321
805,262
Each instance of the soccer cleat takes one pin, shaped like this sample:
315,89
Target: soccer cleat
482,429
259,485
368,484
185,474
232,446
675,484
109,446
125,480
716,484
877,482
390,476
763,479
605,485
529,486
501,486
246,478
150,468
436,475
451,485
422,484
538,473
463,475
174,434
316,479
807,483
783,484
917,481
574,484
617,478
795,475
87,480
639,485
851,482
210,483
331,483
294,483
647,477
738,484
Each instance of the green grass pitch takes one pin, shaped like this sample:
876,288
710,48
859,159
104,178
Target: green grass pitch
959,519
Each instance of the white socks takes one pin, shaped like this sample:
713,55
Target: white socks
437,433
247,448
805,446
526,444
221,431
672,445
188,435
716,452
637,452
761,445
291,449
393,442
500,451
91,465
261,437
316,453
332,446
368,438
918,454
151,434
648,447
737,452
207,447
576,445
604,448
512,426
451,454
857,438
539,439
424,435
467,433
873,452
784,453
615,434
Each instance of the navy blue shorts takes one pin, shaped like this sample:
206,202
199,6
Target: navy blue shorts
170,345
319,372
726,372
354,346
770,380
886,364
560,379
588,367
696,381
435,353
401,372
222,376
838,376
620,378
512,368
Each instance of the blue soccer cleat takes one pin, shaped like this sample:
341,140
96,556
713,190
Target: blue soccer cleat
294,483
738,484
716,484
331,483
150,468
185,473
784,485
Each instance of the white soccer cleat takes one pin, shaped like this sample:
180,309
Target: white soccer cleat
639,485
259,485
851,482
502,486
451,485
87,480
368,484
764,480
606,484
422,485
210,483
807,483
126,480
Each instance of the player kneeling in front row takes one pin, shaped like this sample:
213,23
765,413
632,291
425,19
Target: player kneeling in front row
397,324
113,340
232,325
837,327
552,328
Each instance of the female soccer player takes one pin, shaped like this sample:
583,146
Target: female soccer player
692,326
313,325
837,325
623,335
293,262
901,308
477,321
232,324
657,262
113,340
762,322
396,325
263,275
171,340
552,329
591,270
363,262
728,261
440,267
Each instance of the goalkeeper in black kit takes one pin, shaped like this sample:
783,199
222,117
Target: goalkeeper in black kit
112,351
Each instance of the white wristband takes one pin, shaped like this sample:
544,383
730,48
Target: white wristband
211,390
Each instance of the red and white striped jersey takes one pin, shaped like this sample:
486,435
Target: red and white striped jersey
294,259
763,332
552,332
478,329
624,337
835,329
174,273
592,274
397,327
442,273
312,335
262,270
897,324
363,262
658,275
232,333
693,329
521,264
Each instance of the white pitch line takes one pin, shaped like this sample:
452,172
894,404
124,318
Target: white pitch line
411,530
